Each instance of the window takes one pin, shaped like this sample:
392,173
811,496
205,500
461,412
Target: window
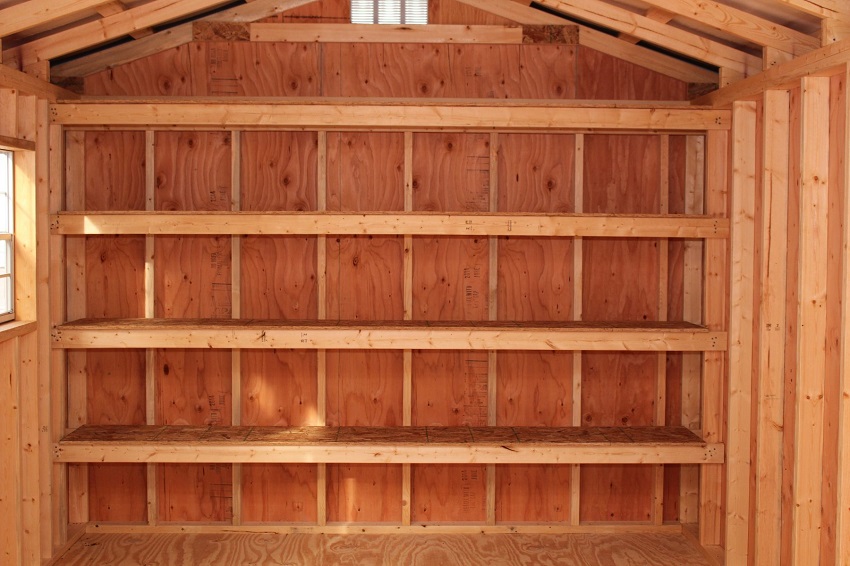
7,242
389,11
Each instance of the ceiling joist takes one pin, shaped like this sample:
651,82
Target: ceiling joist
742,24
118,25
523,13
167,39
36,12
675,39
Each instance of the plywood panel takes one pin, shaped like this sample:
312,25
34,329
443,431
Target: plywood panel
192,278
278,171
165,74
365,171
420,549
536,173
452,12
547,71
450,172
114,180
364,282
604,77
484,71
332,11
192,171
396,70
245,68
620,283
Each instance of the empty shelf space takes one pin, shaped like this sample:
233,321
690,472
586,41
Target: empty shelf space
393,335
409,445
417,224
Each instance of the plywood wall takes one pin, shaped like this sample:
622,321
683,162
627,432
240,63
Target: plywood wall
362,278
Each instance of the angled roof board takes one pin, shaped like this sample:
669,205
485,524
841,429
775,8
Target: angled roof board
684,38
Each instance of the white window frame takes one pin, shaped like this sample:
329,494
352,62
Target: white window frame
389,12
7,238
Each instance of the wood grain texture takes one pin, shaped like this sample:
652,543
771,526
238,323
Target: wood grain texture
620,281
604,77
165,74
192,277
115,379
451,172
365,171
547,71
243,68
452,12
419,549
484,71
278,171
402,69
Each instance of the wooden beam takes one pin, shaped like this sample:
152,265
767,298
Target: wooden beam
522,13
167,39
116,6
740,23
829,60
368,33
226,333
819,8
391,445
25,84
39,12
772,317
843,519
833,29
86,35
811,340
394,115
742,297
418,224
668,37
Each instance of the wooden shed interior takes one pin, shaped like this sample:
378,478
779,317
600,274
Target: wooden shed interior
559,281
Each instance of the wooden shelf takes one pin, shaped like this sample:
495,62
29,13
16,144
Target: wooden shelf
393,335
394,223
408,445
397,114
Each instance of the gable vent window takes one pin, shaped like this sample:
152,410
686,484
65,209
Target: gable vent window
389,11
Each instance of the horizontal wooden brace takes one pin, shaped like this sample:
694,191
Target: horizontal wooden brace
390,445
382,528
16,144
346,335
333,223
389,115
365,33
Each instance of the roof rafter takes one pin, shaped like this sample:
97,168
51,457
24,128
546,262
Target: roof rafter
740,23
523,13
167,39
112,27
820,8
654,32
35,12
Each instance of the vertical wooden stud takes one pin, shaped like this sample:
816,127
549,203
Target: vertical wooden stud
52,370
493,314
714,315
75,299
771,363
578,266
407,289
236,313
150,353
692,312
322,292
843,496
811,340
741,332
663,274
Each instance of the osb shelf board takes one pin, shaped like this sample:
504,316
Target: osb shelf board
650,549
462,444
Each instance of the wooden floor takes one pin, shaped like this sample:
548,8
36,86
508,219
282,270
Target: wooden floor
645,549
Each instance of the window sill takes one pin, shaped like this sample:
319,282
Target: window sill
15,328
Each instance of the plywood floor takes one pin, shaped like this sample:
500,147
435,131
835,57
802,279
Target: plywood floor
661,549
